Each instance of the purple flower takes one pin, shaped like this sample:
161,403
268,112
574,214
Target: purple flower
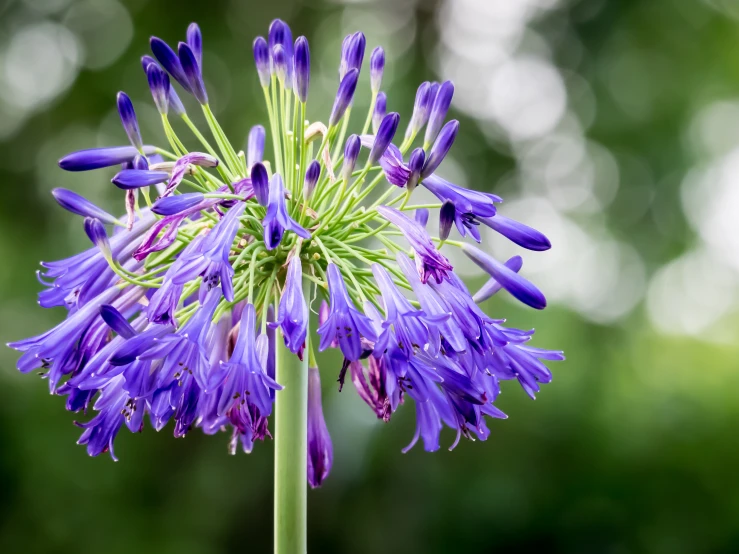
244,376
164,301
441,147
320,448
411,333
469,205
292,314
277,220
302,68
184,353
73,202
440,107
96,158
429,261
97,235
260,183
384,136
519,287
372,385
521,234
344,96
344,323
377,66
391,161
193,73
211,259
129,121
255,146
169,61
261,59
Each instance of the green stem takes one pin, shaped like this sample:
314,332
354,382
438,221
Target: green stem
291,451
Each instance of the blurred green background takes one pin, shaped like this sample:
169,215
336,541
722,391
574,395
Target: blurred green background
611,125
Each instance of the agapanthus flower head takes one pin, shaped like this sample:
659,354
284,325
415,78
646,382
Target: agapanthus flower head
174,310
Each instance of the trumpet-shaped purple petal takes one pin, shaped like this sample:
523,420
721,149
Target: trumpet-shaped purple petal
210,261
159,86
384,136
292,314
429,261
277,220
344,323
421,108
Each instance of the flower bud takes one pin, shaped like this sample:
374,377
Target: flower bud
129,121
379,112
73,202
415,164
352,53
351,153
377,66
260,183
438,111
195,42
421,216
171,205
446,219
302,68
96,233
159,86
344,96
311,178
420,110
441,147
280,34
193,73
255,145
279,63
492,286
136,178
261,59
169,61
384,136
320,448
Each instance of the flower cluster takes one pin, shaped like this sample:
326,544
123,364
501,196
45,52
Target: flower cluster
174,311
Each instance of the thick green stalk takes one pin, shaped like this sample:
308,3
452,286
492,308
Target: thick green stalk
291,447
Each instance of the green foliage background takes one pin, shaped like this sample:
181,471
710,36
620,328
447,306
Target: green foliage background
632,448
